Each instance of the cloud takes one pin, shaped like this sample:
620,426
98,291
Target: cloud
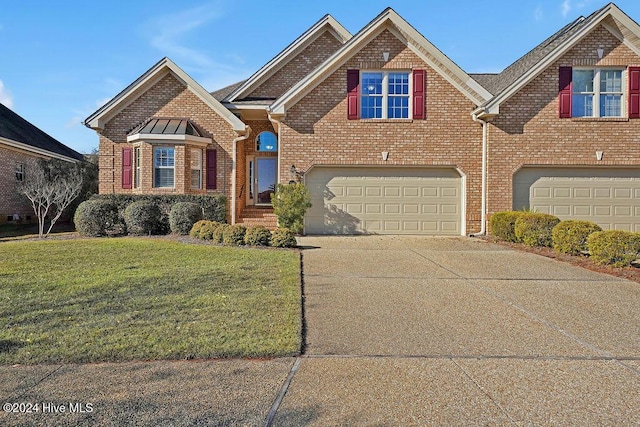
538,14
5,97
565,7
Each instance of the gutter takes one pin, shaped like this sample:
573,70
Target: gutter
234,155
483,208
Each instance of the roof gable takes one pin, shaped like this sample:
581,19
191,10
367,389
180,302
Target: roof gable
524,70
387,20
18,132
326,25
132,92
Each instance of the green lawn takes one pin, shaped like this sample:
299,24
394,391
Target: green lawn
88,300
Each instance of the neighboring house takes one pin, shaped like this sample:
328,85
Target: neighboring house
390,135
21,145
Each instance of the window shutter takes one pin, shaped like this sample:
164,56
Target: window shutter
126,168
419,94
353,89
634,92
212,169
564,92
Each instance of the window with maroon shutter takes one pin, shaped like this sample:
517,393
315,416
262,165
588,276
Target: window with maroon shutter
126,168
212,169
634,92
353,89
564,92
419,94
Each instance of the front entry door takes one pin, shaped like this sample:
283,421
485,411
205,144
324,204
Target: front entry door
265,179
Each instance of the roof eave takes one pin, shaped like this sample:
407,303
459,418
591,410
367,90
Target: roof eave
37,151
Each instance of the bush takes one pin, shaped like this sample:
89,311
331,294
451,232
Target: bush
570,237
97,218
217,236
290,203
195,230
258,236
208,230
615,247
234,235
283,238
535,229
182,217
502,225
143,218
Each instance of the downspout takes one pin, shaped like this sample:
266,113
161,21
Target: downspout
483,208
234,155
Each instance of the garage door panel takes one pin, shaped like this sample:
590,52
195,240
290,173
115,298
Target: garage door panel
384,200
609,197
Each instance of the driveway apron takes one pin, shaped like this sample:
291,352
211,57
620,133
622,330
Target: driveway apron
458,331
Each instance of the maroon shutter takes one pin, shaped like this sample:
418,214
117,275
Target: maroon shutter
564,92
634,92
353,89
212,170
126,168
419,93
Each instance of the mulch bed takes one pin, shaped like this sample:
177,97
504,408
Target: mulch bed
629,273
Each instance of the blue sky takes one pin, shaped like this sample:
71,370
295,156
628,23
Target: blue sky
61,60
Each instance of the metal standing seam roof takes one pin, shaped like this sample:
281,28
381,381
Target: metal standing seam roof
167,126
15,128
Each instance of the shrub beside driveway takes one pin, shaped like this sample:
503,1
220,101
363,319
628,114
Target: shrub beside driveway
88,300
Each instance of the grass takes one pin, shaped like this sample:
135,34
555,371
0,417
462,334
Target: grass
90,300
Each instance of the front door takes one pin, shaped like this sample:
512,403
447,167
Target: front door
265,179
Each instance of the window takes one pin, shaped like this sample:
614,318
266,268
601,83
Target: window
163,166
138,165
385,95
597,93
266,142
196,168
19,172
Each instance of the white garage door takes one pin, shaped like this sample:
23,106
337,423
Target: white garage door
384,201
608,197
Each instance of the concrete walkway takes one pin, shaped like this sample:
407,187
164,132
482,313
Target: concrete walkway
399,331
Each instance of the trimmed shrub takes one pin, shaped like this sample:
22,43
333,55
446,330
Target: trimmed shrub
234,235
97,218
290,202
535,229
283,238
208,230
258,236
195,230
570,237
143,218
182,217
503,224
218,233
615,247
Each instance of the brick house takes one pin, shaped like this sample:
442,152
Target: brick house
21,145
390,135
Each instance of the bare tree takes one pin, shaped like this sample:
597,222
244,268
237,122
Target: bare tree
51,186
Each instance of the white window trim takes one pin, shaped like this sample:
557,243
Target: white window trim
191,169
164,167
385,94
597,93
137,158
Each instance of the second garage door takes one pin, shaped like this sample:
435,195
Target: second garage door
609,197
384,201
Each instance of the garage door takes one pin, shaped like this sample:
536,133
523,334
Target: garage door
384,201
608,197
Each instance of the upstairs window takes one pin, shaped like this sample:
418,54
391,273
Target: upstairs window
385,95
163,166
597,92
19,172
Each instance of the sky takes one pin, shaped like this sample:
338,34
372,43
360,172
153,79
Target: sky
62,60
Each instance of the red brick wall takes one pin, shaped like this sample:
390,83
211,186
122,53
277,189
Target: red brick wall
10,201
316,130
528,130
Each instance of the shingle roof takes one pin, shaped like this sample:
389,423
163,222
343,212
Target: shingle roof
221,94
15,128
485,79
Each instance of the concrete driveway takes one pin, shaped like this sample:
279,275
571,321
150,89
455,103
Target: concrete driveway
399,331
457,331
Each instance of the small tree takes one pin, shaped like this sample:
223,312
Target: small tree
290,203
50,186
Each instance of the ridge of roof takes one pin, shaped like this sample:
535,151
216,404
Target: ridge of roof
16,128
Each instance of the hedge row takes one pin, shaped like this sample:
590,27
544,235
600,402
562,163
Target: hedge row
615,247
119,214
238,235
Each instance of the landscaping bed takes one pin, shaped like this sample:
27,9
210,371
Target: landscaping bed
90,300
